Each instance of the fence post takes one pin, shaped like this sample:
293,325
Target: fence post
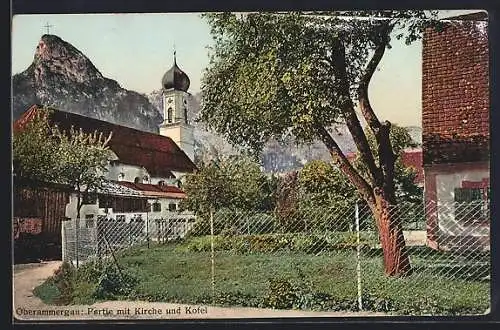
130,224
63,241
212,256
358,258
147,228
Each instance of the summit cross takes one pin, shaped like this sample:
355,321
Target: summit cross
48,26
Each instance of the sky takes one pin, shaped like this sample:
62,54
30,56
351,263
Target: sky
137,49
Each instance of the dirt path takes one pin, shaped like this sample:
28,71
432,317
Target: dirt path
29,307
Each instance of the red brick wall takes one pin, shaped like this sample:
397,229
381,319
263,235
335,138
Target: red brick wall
455,93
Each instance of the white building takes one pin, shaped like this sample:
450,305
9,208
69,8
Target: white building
146,171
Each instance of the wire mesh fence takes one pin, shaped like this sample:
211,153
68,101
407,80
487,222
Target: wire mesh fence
107,235
307,258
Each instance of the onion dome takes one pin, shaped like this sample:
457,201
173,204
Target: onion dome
175,79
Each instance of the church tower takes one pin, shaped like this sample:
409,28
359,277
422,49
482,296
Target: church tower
176,125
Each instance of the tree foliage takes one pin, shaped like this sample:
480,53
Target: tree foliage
34,155
44,152
324,186
276,75
235,183
406,189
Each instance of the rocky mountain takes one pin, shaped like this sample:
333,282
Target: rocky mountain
415,133
63,77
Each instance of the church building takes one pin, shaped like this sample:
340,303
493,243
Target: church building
145,174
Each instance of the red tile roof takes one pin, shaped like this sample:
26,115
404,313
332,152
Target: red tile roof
154,189
150,187
158,154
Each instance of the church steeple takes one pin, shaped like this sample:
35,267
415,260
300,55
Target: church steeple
175,84
175,78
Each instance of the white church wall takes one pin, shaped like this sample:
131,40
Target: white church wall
156,180
125,172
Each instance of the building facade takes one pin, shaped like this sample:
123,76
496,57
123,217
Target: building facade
146,170
455,124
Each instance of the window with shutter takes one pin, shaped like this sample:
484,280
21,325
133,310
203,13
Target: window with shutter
471,205
156,207
172,207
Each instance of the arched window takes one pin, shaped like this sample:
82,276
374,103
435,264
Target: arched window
145,179
170,114
137,179
161,183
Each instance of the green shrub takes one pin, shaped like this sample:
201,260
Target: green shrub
299,242
93,280
110,281
48,292
83,293
281,294
64,279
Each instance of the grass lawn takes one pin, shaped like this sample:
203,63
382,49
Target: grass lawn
168,274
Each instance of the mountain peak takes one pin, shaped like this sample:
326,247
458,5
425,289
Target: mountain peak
54,55
61,76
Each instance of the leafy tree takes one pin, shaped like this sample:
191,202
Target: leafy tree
236,183
273,75
43,152
323,186
327,196
33,154
81,160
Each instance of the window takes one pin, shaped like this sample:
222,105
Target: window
472,204
89,198
145,179
89,221
137,179
170,113
137,218
172,207
121,176
156,207
186,115
104,202
161,183
120,217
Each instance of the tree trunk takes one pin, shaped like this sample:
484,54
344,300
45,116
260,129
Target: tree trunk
77,225
396,259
